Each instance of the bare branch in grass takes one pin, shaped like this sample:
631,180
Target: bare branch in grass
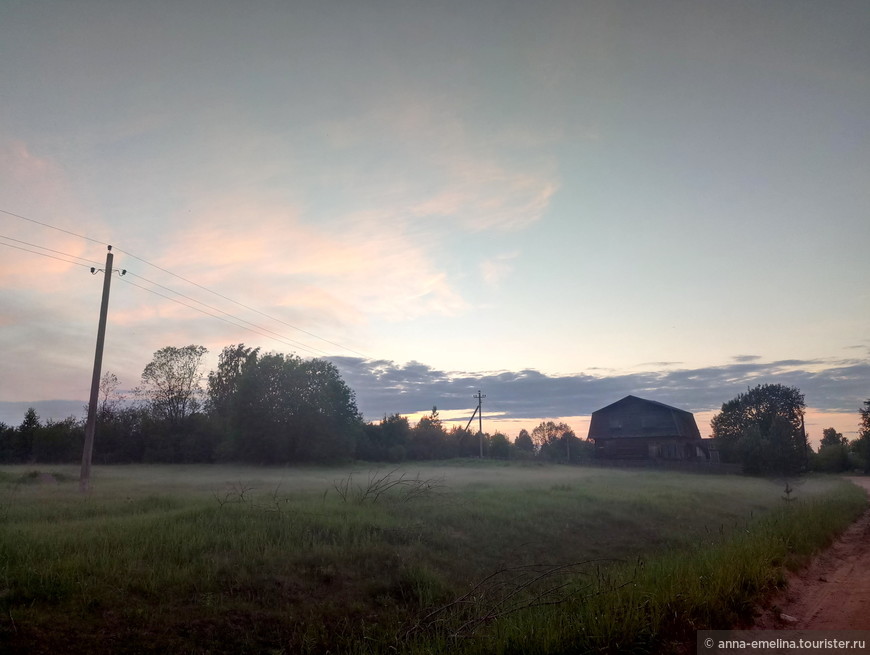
392,484
237,492
513,589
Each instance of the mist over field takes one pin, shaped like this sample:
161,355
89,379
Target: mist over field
462,557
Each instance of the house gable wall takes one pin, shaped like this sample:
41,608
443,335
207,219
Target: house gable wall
634,428
636,417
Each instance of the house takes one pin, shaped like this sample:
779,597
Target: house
635,428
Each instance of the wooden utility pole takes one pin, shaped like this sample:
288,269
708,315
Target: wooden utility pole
90,426
480,398
568,446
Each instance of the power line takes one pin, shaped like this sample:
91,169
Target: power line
33,245
168,272
59,229
259,329
240,304
220,318
281,337
42,254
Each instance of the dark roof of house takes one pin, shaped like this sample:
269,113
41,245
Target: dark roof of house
637,417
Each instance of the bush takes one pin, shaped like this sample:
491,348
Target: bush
58,441
832,459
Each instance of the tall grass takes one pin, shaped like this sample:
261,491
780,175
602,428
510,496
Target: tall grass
644,605
276,560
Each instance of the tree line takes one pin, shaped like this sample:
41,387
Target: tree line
273,408
261,408
264,408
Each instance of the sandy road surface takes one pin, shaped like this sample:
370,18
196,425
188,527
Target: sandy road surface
833,592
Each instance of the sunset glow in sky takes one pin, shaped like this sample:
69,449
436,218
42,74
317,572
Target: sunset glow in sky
558,203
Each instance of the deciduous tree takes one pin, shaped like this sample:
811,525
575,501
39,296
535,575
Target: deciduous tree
386,441
171,383
862,443
557,441
499,446
832,438
223,383
110,399
26,435
763,429
428,438
548,433
524,442
279,408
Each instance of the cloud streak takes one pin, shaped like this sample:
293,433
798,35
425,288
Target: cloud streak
384,387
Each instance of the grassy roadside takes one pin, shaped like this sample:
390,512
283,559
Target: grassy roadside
223,560
657,603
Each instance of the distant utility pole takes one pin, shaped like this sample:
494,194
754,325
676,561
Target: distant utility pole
479,412
480,398
90,426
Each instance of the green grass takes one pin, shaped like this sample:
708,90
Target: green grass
202,559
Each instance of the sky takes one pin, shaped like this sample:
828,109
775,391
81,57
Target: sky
556,203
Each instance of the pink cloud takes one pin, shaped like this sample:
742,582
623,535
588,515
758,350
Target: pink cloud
478,181
495,269
482,196
46,187
267,257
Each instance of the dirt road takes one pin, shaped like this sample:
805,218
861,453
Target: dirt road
833,593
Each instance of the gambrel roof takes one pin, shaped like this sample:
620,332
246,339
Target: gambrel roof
636,417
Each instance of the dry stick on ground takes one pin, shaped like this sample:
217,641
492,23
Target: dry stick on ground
380,484
502,593
276,501
234,493
237,494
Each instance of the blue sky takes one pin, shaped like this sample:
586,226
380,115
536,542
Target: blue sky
623,194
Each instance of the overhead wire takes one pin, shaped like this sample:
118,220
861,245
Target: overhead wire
220,318
42,254
33,245
59,229
257,329
240,304
281,337
278,337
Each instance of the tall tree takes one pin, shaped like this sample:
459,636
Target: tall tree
26,435
385,441
463,443
171,383
556,441
524,442
109,399
499,446
7,442
548,433
223,383
279,408
119,425
428,438
830,437
862,443
763,429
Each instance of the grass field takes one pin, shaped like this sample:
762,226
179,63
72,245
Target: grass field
462,557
